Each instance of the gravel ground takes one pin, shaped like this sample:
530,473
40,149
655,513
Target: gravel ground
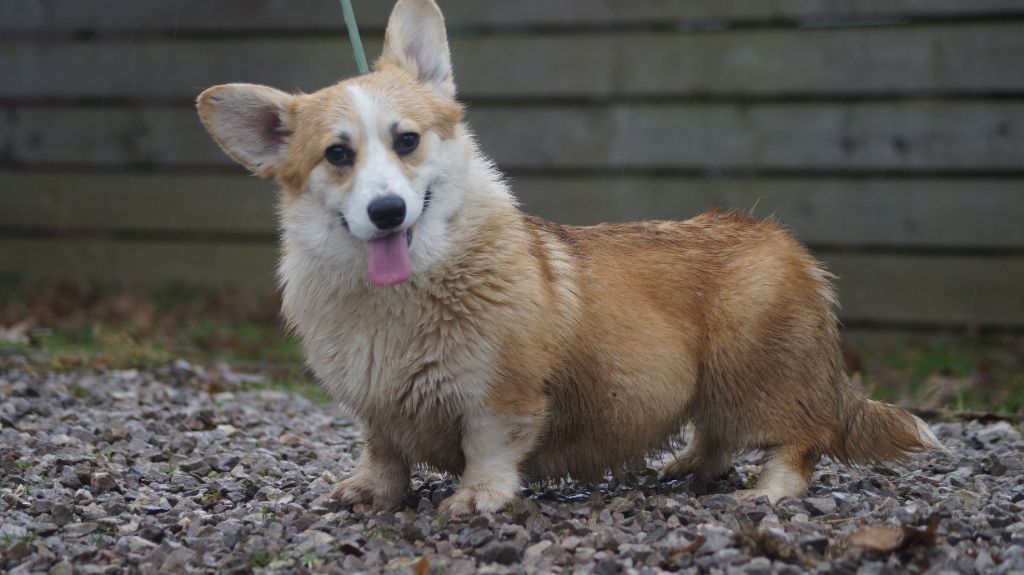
178,470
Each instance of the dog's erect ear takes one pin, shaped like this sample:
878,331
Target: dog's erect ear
251,123
416,40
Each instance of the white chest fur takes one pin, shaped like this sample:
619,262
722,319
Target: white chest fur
396,356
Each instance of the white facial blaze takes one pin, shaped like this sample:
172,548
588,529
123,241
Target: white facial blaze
378,173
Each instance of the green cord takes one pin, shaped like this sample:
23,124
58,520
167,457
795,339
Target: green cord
353,36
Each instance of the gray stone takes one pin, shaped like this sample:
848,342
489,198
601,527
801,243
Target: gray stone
758,566
478,537
608,567
716,538
136,544
314,539
62,568
821,505
177,560
496,552
719,502
815,542
80,529
44,528
1013,559
536,549
102,482
268,503
196,466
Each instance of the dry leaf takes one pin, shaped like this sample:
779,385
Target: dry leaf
687,549
878,538
888,539
422,566
915,536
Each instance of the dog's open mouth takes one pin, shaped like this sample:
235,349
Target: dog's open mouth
388,257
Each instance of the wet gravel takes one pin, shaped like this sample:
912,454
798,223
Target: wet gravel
179,470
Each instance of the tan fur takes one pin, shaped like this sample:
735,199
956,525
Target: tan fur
523,346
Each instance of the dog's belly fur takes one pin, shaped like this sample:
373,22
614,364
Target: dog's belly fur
619,399
623,332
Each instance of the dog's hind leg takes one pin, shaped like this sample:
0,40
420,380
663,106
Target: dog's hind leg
786,473
494,447
381,477
703,456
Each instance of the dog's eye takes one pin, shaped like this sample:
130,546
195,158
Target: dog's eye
406,142
340,155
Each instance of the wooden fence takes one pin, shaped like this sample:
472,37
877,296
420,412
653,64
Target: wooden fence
888,134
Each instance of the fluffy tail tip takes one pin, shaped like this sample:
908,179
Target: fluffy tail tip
927,438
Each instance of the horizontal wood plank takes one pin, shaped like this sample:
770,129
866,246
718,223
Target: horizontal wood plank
902,136
141,16
922,289
837,212
965,59
925,213
167,203
919,289
140,263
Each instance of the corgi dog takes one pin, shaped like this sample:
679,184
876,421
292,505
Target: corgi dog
464,334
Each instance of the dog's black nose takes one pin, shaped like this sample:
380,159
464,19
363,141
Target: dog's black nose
387,212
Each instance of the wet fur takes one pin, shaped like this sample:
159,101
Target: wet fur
521,348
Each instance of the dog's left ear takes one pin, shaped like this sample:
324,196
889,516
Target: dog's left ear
416,41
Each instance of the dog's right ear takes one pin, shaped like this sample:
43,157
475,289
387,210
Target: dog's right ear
252,123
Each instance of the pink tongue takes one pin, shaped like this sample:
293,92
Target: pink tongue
389,260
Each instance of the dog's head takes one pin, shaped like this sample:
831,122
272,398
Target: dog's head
358,161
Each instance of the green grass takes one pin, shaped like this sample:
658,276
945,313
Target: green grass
242,341
148,330
99,347
920,361
942,370
260,560
295,381
311,560
78,329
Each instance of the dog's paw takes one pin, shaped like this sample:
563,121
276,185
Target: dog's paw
703,467
753,495
748,495
476,499
356,490
678,468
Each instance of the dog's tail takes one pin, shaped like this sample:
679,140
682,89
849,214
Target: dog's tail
872,432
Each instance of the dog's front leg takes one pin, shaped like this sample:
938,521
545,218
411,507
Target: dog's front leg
494,447
381,477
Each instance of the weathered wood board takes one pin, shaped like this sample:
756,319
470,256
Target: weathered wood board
980,214
140,16
978,58
930,289
872,288
863,136
141,263
888,134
